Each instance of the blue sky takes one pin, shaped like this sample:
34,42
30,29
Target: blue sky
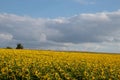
81,25
57,8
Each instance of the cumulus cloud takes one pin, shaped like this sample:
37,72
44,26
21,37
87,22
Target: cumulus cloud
80,32
5,38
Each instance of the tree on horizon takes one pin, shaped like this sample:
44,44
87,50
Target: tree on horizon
19,46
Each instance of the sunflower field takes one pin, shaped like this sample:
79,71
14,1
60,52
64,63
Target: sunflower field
58,65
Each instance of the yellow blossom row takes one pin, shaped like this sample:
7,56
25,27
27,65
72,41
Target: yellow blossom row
58,65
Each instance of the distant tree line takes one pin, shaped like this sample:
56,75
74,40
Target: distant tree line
19,46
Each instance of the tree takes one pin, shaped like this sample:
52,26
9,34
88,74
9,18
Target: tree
8,47
19,46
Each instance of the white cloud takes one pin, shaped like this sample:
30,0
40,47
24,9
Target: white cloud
80,32
5,36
